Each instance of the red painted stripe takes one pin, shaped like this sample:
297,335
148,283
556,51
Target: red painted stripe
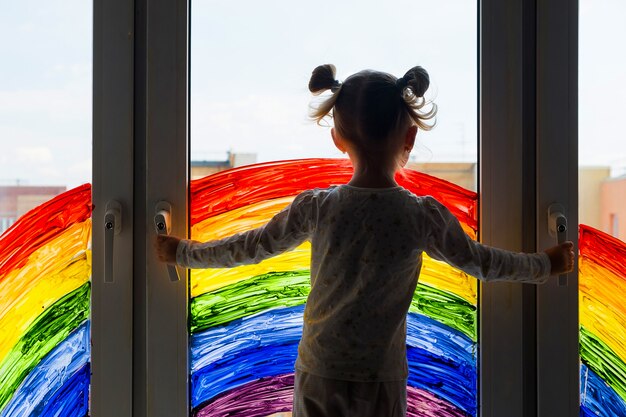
228,190
602,249
35,228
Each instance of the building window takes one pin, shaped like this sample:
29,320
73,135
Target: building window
615,224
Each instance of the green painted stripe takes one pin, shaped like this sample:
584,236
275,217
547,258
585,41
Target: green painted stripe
245,298
47,331
446,308
287,289
601,359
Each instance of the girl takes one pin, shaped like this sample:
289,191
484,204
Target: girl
367,240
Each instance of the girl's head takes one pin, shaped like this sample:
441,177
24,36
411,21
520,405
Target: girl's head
373,110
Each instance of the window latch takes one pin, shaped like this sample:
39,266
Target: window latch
557,227
163,226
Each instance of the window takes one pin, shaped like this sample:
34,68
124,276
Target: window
45,208
249,104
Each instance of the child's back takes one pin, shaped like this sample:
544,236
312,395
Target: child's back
367,246
365,260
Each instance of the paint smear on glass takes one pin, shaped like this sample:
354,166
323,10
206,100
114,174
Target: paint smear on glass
602,291
45,267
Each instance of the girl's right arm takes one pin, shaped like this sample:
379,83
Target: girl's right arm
285,231
447,241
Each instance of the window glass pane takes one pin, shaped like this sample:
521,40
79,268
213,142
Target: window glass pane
250,67
602,191
251,64
45,212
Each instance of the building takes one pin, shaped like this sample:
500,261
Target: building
464,174
202,168
613,207
15,200
590,181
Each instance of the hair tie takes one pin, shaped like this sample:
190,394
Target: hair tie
335,86
401,83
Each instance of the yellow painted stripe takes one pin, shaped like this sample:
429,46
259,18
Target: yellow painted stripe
52,271
601,305
444,277
205,280
238,220
437,274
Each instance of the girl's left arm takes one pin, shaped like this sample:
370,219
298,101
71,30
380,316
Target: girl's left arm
285,231
446,241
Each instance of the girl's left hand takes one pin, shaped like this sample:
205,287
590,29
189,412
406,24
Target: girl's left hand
166,248
561,258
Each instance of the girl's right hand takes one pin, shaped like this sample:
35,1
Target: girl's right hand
561,258
166,248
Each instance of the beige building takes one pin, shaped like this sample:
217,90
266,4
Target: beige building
590,180
613,207
602,201
460,173
202,168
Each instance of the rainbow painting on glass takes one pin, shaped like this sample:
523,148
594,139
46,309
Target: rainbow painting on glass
245,322
45,270
602,311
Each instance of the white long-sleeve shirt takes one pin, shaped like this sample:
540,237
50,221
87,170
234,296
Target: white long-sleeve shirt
366,255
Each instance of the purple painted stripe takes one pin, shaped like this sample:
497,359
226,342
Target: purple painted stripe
421,403
274,395
259,398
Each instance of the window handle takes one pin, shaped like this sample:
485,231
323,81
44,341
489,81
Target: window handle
112,227
163,226
557,226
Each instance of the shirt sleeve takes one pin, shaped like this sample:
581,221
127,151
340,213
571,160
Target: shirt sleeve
285,231
448,242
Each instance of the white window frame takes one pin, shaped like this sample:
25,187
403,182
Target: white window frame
111,391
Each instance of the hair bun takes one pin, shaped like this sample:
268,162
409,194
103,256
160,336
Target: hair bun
417,78
323,78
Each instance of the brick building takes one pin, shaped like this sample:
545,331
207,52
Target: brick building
16,200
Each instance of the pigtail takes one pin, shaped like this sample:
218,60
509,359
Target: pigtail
413,86
322,79
418,80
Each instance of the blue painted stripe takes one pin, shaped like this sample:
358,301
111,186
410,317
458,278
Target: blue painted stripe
272,327
441,359
597,398
585,412
72,400
54,370
240,368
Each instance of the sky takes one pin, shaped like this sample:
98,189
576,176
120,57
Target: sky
250,68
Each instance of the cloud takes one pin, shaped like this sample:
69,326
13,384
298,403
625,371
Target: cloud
33,154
